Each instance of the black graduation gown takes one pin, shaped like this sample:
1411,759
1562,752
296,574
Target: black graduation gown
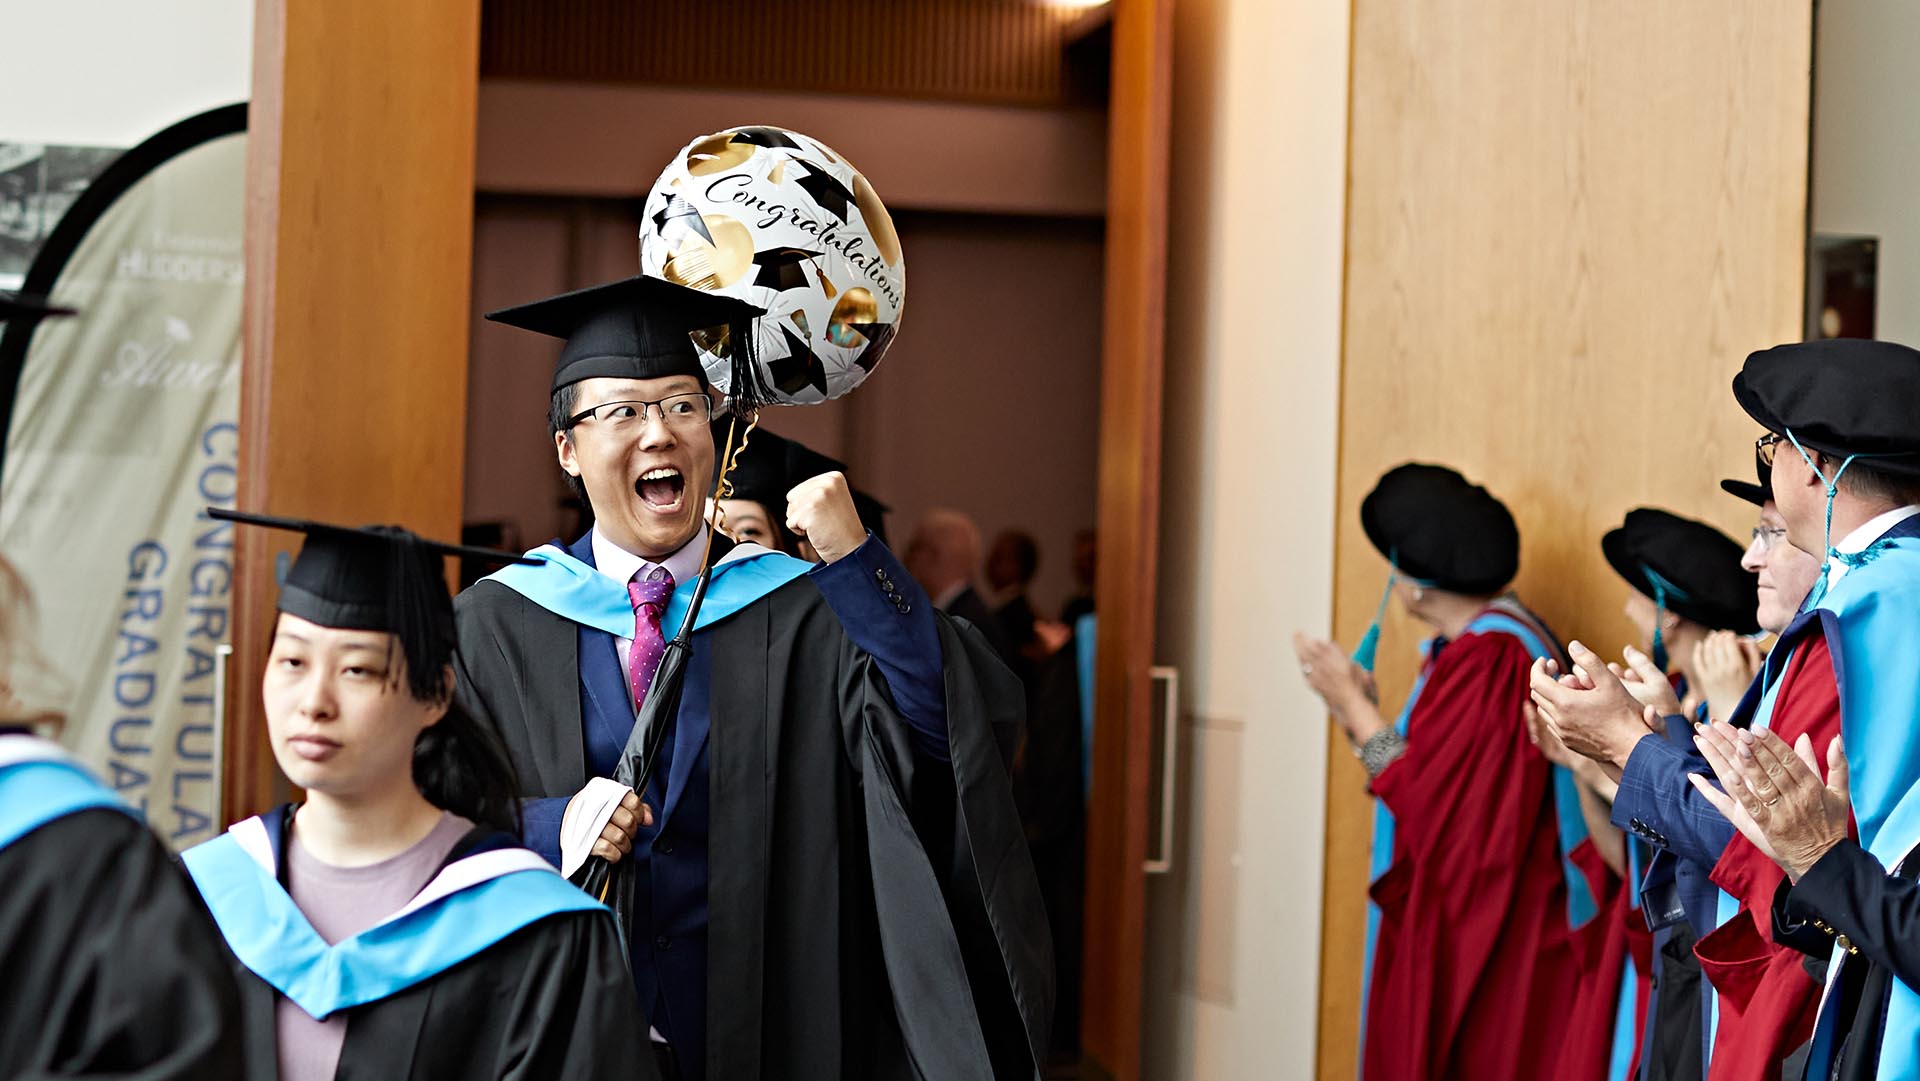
109,964
862,898
1849,892
550,1002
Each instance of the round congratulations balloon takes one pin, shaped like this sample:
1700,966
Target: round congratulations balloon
779,220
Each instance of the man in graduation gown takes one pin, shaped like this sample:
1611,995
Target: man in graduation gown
835,886
1835,410
1832,408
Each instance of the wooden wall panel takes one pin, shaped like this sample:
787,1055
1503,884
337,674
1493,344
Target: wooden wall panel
359,239
1010,51
1568,224
1133,345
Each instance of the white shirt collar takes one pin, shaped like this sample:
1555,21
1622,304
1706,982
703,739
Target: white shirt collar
620,565
1875,528
1862,536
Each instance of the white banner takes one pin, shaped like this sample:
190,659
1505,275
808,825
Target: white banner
123,430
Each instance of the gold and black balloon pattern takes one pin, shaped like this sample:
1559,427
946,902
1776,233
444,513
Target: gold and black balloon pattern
777,219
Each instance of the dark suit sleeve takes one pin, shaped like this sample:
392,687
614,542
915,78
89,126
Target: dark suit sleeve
889,618
1849,893
111,964
1796,932
1657,803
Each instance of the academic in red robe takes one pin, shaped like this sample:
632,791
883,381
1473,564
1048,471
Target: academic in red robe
1474,966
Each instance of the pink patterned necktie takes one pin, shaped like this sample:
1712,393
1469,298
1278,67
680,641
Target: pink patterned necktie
649,596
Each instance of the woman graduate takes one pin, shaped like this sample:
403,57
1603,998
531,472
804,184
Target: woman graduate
1472,968
392,926
110,966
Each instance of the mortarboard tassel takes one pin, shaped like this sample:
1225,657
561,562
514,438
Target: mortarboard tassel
1363,654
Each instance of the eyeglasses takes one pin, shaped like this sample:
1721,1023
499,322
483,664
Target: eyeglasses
1767,536
681,412
1766,445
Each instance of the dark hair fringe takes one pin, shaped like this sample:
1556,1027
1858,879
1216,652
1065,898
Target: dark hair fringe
461,765
559,411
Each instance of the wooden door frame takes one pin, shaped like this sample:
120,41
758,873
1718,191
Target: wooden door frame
1139,114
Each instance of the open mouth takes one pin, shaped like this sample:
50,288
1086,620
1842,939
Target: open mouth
661,489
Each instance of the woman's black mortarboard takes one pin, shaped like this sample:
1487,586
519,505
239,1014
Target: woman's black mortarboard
770,466
1439,529
638,328
1757,494
1688,568
376,578
1840,396
26,306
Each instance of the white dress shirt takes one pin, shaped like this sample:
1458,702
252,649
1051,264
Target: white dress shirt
620,565
1858,540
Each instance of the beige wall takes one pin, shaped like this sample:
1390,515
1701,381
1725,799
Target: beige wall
1866,145
1253,357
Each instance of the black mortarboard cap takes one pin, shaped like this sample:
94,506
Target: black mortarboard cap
635,328
1839,396
1697,567
1437,527
25,306
1756,494
772,465
375,578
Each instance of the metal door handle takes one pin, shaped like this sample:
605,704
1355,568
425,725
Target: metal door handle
1169,679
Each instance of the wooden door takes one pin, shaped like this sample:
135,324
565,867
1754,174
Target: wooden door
1567,225
1124,757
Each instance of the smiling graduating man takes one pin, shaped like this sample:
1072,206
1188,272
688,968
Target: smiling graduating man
835,884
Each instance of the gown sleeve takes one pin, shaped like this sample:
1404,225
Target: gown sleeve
113,968
572,1014
1468,770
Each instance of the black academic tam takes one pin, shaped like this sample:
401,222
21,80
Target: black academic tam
863,899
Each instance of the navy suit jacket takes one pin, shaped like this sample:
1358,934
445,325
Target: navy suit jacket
885,614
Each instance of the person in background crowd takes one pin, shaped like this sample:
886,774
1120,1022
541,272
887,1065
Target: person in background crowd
1086,554
1012,562
942,554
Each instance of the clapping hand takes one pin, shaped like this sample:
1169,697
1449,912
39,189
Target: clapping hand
1347,688
1590,709
1773,793
1725,664
1646,682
